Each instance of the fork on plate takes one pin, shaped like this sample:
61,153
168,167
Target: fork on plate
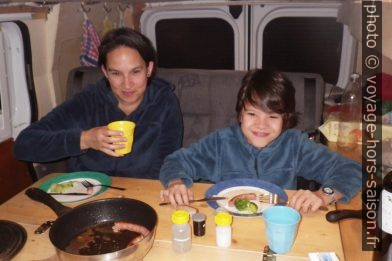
273,198
88,184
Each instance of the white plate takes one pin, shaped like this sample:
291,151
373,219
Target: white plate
95,178
233,187
229,193
77,188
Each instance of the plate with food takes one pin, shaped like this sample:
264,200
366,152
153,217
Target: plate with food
71,186
242,196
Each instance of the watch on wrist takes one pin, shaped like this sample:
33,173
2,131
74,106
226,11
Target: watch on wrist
330,193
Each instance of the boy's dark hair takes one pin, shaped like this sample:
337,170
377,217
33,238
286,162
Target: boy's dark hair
269,91
128,38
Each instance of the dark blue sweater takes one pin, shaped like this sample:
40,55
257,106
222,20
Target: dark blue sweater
159,131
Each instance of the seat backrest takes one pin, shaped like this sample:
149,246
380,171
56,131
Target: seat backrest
80,77
208,97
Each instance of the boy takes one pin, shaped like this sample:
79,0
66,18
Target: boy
263,146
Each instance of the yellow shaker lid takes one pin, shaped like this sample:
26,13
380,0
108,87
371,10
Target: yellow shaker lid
180,217
223,219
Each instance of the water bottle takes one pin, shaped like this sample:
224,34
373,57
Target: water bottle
350,116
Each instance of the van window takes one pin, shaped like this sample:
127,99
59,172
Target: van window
197,37
296,37
210,39
304,44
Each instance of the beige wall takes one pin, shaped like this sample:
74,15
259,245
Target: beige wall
56,43
69,37
42,34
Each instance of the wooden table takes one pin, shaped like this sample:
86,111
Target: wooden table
315,234
351,229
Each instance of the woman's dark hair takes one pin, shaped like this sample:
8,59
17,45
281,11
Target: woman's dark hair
128,38
269,91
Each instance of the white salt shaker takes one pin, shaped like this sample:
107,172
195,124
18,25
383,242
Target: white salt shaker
223,222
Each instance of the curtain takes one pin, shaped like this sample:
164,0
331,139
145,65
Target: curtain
350,14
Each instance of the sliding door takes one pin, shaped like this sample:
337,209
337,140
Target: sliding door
15,109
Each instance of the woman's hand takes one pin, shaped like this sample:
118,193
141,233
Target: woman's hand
102,139
306,201
177,193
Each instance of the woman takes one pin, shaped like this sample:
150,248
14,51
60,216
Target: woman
78,128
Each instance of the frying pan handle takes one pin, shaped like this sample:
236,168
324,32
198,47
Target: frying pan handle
44,198
336,215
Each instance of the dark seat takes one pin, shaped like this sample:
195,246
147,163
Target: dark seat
207,97
14,175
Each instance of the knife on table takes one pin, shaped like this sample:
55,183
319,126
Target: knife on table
69,194
197,200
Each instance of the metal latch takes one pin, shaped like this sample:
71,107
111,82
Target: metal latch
41,229
268,254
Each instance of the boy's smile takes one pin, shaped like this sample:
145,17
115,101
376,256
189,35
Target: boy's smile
260,128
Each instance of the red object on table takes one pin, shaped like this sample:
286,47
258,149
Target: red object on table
386,87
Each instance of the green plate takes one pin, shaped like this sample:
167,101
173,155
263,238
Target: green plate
91,176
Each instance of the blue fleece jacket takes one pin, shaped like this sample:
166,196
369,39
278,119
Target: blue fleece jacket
158,132
225,154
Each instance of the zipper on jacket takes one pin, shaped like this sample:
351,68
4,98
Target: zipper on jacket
255,165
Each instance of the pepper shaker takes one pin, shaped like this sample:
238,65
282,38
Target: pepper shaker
199,224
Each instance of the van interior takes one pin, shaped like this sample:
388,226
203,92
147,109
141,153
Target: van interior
204,47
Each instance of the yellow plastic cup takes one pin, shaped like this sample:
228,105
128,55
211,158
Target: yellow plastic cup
128,128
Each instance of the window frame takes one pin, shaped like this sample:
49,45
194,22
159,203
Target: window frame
251,24
16,86
5,114
271,12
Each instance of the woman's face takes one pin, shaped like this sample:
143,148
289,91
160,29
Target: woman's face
260,128
127,74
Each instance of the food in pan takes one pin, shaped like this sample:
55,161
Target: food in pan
107,238
119,226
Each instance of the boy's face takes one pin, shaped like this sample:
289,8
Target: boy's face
260,128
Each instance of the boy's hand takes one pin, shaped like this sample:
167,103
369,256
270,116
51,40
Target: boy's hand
177,193
306,201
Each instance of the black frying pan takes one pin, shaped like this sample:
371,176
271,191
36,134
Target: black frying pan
367,203
340,214
71,222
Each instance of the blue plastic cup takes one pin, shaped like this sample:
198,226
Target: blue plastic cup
281,227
